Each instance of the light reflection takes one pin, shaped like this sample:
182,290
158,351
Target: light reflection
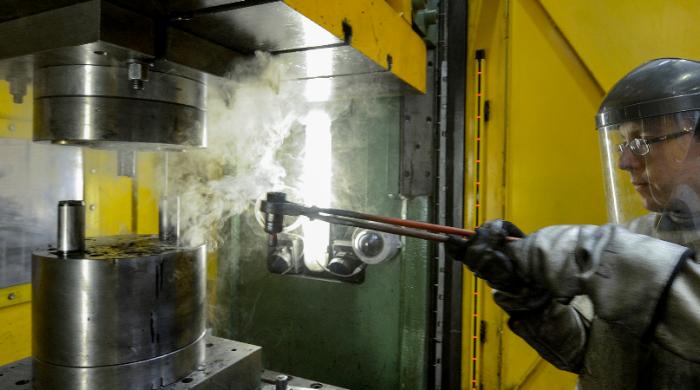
610,164
316,186
84,309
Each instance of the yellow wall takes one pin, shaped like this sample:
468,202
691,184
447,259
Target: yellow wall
548,64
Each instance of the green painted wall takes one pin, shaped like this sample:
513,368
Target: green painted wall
367,336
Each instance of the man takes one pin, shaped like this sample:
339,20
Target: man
618,304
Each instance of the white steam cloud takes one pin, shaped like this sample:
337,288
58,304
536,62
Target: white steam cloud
248,121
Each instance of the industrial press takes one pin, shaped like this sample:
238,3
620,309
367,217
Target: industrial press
128,311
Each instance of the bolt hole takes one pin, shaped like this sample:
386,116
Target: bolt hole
209,345
187,380
22,382
234,350
430,63
316,385
100,52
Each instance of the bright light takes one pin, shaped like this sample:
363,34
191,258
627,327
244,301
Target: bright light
316,186
317,90
319,64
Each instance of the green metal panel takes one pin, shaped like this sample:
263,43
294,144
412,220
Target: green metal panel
360,336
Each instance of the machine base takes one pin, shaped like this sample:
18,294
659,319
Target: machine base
228,365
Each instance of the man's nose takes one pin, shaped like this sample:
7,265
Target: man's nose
629,161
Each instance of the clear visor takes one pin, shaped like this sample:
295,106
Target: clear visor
652,164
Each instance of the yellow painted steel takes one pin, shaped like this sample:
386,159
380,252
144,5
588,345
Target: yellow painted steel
15,323
15,119
486,31
404,8
553,171
539,152
612,37
14,295
473,289
108,197
119,204
378,32
148,178
11,110
15,128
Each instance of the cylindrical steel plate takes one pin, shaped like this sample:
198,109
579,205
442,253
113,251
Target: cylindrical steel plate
97,106
124,300
141,375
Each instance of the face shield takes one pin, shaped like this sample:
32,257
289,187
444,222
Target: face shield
652,164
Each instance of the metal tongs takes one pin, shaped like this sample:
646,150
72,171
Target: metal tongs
276,207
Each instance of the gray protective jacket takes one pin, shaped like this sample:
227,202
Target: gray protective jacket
619,308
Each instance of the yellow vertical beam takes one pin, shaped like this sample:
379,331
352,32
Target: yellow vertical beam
473,289
148,179
486,31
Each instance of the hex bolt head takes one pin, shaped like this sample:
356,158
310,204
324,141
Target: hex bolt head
137,73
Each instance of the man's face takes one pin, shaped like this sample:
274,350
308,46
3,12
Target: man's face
669,165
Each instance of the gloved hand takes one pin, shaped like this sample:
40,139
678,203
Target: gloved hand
487,255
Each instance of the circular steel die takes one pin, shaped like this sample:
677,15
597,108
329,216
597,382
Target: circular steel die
118,308
97,106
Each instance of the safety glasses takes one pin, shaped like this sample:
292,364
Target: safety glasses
640,146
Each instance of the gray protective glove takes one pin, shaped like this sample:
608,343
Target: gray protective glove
487,255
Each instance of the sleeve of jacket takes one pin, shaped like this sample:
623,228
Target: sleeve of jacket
557,331
632,280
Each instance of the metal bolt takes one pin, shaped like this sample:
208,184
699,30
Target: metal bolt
11,296
93,170
137,73
11,127
92,207
281,382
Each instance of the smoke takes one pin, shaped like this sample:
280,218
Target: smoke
250,115
248,120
